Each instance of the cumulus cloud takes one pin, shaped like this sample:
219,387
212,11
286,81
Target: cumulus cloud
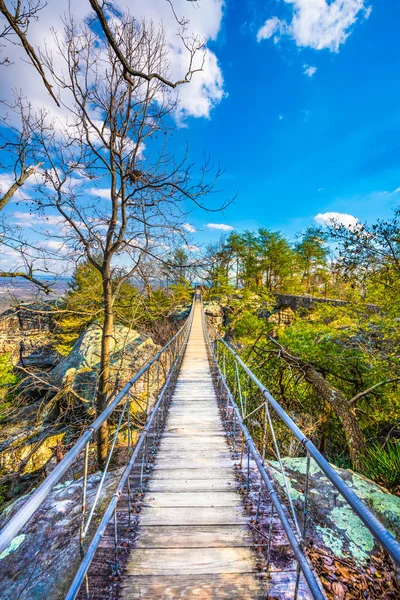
317,24
204,21
25,219
309,71
220,226
100,192
336,219
271,27
54,246
189,227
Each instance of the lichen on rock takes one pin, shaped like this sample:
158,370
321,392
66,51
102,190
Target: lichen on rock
332,522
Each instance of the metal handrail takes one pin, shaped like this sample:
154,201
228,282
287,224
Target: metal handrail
302,561
112,506
17,522
380,533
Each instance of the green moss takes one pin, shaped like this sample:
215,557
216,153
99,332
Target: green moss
277,475
361,540
386,506
331,541
15,544
300,465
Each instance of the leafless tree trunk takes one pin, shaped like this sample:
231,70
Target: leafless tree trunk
110,139
17,18
340,405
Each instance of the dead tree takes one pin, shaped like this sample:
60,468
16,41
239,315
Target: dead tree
115,136
17,17
343,408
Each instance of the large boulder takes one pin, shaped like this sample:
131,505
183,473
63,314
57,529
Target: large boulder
130,351
215,314
283,317
26,332
333,524
42,559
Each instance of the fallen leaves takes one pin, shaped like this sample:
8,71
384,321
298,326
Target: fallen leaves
342,579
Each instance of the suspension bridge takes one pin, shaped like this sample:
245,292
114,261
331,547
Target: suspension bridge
194,512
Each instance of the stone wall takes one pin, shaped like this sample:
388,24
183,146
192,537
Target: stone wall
308,302
27,335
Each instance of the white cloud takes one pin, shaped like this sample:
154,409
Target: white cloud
220,226
270,27
396,190
320,189
189,227
196,98
54,246
309,70
280,117
335,219
317,24
26,219
100,192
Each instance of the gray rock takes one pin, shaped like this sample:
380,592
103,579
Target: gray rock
129,353
42,559
333,524
28,335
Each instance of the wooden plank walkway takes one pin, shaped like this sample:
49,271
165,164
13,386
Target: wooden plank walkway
193,541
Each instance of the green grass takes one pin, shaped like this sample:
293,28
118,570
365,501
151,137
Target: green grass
382,465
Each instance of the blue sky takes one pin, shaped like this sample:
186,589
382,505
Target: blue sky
298,102
336,147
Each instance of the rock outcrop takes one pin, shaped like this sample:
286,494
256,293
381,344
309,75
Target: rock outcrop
215,313
46,551
282,317
80,369
332,523
26,333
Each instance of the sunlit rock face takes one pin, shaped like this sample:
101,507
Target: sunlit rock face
27,335
332,523
215,314
130,351
46,551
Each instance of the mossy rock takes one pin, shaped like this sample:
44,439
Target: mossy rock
332,522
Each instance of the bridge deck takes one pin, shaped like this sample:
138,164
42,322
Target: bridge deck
193,540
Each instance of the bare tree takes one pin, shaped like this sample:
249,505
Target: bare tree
17,160
18,15
115,135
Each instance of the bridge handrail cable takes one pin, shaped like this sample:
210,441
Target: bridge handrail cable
380,533
173,351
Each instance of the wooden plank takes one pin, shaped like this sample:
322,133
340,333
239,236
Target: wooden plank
193,587
187,474
194,536
204,499
197,463
216,515
200,561
191,485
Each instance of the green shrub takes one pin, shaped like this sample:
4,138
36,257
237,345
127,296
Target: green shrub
383,465
248,325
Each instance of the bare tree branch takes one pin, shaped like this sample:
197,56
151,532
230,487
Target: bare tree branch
128,70
47,290
14,23
26,173
371,389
